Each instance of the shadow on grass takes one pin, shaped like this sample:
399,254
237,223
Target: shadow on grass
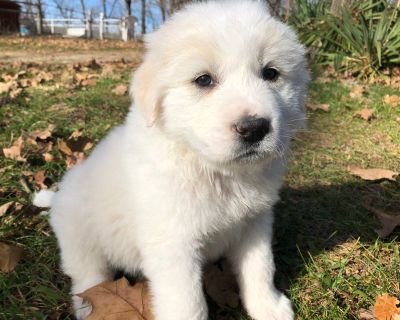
312,220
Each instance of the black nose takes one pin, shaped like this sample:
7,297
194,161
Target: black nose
252,129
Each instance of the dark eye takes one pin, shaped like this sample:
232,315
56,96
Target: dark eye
204,80
270,74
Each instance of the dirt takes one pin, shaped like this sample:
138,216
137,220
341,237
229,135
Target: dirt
68,56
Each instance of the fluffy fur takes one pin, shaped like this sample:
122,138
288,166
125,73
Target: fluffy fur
174,187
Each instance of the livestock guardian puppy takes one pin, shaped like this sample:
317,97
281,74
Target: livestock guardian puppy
195,170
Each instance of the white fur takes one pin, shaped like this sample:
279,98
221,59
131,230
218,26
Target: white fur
165,192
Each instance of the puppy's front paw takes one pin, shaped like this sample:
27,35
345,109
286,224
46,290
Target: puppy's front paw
279,308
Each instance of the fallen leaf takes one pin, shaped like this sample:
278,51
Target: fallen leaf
119,300
357,92
365,113
14,152
372,174
365,314
43,134
9,257
40,177
75,134
62,146
392,101
89,83
220,285
15,92
48,157
321,106
4,207
5,87
386,307
120,90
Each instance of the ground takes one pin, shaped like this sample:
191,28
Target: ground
330,260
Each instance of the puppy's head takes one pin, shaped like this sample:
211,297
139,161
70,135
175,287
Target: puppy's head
226,80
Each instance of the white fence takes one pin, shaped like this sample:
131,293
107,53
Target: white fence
99,28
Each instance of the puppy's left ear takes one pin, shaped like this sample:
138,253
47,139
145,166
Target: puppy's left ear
147,92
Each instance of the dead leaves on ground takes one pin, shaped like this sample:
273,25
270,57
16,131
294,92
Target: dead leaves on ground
120,90
9,257
50,77
119,300
41,142
365,113
316,106
372,174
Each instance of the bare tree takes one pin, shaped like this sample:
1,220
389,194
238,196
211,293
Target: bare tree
128,7
162,4
143,14
63,8
177,4
83,6
39,6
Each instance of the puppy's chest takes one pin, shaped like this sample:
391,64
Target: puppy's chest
224,201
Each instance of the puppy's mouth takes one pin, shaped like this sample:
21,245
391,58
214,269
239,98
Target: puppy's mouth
249,155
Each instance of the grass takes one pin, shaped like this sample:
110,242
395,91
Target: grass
329,259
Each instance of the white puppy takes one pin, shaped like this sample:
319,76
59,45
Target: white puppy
194,172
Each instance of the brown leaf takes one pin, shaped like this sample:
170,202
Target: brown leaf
386,307
4,207
14,152
120,90
220,285
357,92
43,134
372,174
48,157
89,83
9,257
365,314
15,92
365,113
110,299
75,134
5,87
40,177
62,146
321,106
392,101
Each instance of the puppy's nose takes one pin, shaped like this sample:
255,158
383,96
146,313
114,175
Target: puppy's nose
251,129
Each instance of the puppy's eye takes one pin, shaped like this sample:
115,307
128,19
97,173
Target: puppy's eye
269,74
204,80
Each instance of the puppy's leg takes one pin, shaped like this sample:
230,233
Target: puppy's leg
85,270
252,260
175,283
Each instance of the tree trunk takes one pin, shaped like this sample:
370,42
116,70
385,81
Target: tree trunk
143,16
128,7
163,9
40,16
83,7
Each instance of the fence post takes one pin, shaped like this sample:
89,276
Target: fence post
52,26
89,24
101,26
124,29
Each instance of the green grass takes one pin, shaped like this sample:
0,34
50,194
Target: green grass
329,258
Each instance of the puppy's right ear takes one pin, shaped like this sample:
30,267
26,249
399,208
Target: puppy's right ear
147,92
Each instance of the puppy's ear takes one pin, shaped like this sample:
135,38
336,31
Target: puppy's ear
147,92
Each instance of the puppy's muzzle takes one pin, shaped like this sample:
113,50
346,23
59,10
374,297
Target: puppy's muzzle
251,129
